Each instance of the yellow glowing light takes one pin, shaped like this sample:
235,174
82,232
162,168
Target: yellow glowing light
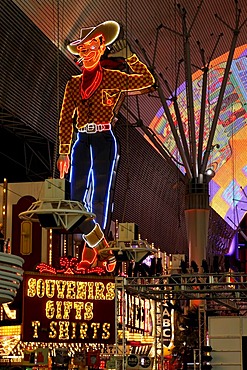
10,313
40,288
10,330
95,326
8,344
69,314
83,330
71,290
78,306
147,339
73,335
53,332
35,324
31,291
59,310
50,247
63,330
67,309
50,288
110,288
90,290
50,309
61,285
106,333
81,290
99,291
62,289
88,314
64,247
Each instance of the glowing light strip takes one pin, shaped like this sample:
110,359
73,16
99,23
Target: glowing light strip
90,179
64,246
10,313
4,206
10,330
110,182
50,247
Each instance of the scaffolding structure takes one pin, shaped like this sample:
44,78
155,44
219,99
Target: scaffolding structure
216,291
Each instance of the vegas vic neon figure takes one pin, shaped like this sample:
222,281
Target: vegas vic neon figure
94,96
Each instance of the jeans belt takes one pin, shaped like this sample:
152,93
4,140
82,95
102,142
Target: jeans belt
91,127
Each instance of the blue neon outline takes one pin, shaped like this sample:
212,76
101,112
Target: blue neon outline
110,182
91,182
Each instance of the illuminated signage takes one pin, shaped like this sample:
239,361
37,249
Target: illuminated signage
68,309
167,325
139,362
138,317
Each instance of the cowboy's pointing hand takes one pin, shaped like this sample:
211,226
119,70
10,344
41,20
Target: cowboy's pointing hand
63,164
120,49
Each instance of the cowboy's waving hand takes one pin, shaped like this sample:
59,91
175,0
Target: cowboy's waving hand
121,49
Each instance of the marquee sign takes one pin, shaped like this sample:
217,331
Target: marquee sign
68,309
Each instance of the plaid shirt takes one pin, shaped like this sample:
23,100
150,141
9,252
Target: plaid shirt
100,107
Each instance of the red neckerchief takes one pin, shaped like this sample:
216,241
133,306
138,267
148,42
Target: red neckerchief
113,63
91,80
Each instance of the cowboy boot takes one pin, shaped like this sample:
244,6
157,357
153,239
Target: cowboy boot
88,258
96,239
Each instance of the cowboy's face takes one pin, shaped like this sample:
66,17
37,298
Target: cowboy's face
91,51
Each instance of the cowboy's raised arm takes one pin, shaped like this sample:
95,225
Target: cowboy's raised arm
141,80
121,49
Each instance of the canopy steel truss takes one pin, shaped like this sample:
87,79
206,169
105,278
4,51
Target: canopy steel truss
217,292
227,290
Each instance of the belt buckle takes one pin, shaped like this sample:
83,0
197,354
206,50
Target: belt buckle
91,128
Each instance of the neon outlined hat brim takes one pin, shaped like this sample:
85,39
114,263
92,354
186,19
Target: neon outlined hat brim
109,29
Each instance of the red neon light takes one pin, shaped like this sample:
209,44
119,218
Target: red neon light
73,266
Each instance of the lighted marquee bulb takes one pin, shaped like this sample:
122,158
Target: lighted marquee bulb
31,291
63,330
78,306
90,290
71,285
50,247
50,309
61,285
53,332
40,288
106,333
81,291
95,326
99,291
59,310
67,309
110,287
50,288
77,251
35,324
64,247
83,330
88,314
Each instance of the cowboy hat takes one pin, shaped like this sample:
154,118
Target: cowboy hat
109,29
